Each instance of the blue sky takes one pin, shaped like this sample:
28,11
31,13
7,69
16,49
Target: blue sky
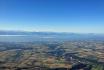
82,16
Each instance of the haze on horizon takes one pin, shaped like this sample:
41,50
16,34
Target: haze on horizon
81,16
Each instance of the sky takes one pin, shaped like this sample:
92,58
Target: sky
78,16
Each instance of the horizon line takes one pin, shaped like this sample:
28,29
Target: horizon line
52,31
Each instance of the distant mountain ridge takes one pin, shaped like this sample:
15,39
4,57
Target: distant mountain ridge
42,33
49,36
